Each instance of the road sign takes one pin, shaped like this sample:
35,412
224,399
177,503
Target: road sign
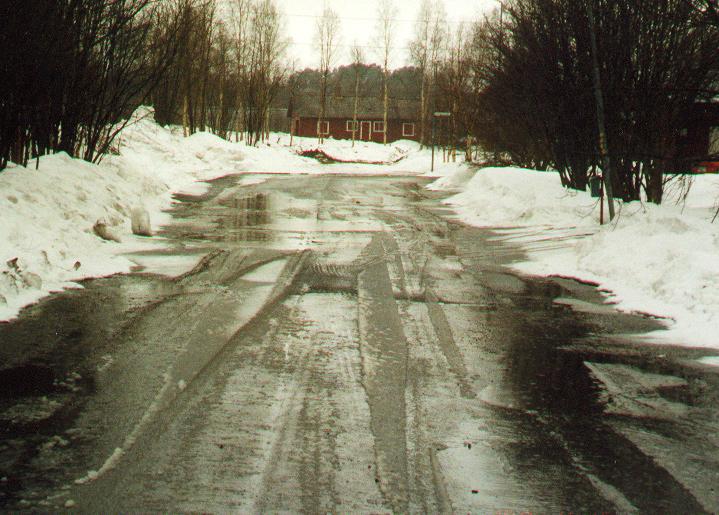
442,114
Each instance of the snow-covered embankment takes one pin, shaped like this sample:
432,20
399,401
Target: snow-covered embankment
662,260
47,214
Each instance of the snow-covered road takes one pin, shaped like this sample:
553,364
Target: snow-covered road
341,346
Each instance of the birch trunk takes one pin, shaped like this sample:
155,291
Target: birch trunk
386,105
354,112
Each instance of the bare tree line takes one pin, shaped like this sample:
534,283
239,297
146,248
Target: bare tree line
225,75
386,12
427,51
357,62
522,84
328,26
74,70
327,41
357,78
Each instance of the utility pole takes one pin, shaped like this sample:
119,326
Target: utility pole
603,146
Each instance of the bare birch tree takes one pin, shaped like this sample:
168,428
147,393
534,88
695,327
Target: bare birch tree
266,69
419,54
241,19
328,26
437,46
357,62
454,85
386,13
427,53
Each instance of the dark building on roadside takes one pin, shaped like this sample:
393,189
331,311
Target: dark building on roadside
402,119
699,141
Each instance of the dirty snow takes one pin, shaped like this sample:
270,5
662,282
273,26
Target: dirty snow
281,154
653,259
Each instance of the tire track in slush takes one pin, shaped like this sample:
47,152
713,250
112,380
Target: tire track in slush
423,490
384,352
427,490
317,445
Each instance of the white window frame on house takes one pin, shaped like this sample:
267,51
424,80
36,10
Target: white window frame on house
378,124
326,124
405,132
349,124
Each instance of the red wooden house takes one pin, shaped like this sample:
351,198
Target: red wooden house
402,119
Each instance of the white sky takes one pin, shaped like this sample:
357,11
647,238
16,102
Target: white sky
358,22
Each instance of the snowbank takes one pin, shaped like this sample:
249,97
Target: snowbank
361,152
656,259
47,241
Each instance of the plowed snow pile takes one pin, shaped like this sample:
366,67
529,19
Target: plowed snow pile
663,260
46,236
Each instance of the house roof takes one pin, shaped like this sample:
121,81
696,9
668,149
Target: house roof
308,106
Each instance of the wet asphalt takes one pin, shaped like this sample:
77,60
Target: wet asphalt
342,344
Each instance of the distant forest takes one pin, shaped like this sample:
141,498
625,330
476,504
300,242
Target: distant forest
404,83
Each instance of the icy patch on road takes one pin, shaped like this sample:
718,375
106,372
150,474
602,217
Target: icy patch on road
34,409
169,265
633,392
497,397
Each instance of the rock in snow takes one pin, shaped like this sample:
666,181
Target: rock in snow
105,232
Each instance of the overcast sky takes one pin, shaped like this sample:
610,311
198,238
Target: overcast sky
358,22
